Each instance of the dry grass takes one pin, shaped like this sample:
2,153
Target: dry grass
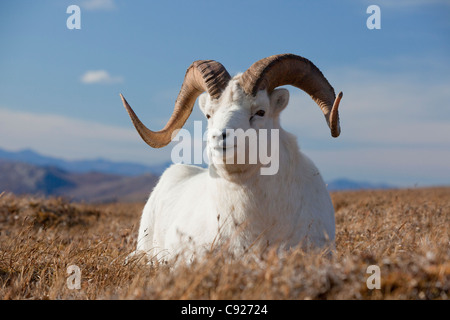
404,232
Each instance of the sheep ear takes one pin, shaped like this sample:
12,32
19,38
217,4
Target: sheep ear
202,101
279,100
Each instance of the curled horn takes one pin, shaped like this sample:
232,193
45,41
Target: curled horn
290,69
201,76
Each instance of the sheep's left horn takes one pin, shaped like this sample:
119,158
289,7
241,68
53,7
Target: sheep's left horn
201,76
290,69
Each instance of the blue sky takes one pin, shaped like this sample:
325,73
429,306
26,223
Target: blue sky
59,88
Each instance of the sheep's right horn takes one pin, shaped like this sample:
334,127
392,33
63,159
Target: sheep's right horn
201,76
284,69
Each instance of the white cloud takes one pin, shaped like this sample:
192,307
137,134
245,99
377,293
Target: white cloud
395,128
98,5
391,112
406,166
100,77
72,139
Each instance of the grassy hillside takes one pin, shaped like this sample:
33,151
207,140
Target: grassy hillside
404,232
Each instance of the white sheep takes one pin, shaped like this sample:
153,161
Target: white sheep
193,209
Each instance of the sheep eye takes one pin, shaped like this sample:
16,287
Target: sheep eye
208,116
259,113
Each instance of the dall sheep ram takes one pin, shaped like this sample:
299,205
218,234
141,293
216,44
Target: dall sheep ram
192,209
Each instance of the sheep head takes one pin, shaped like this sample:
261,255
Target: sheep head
249,100
239,125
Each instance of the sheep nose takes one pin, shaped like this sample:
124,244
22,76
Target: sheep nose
217,134
220,137
224,139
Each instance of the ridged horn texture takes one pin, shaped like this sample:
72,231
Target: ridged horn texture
201,76
290,69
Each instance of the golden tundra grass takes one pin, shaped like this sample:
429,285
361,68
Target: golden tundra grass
404,232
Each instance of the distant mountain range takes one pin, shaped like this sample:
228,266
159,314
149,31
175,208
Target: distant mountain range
27,172
346,184
23,178
83,166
